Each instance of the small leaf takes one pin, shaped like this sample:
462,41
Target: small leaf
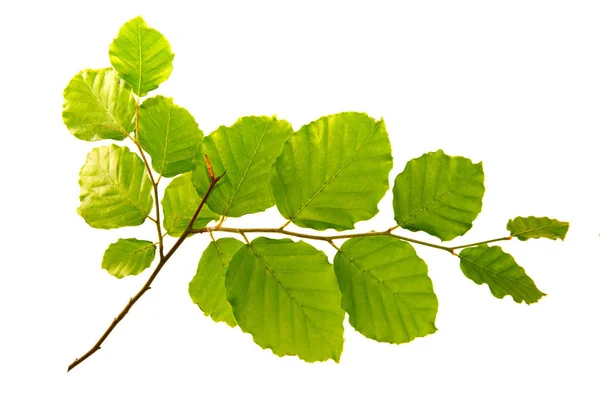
499,270
142,56
246,150
128,257
333,172
98,105
439,194
285,294
115,189
207,289
385,289
179,205
535,228
169,134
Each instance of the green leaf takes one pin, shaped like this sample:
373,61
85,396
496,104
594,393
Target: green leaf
128,257
247,149
385,289
98,105
499,270
439,194
142,56
115,189
535,228
207,289
285,294
179,205
169,134
333,172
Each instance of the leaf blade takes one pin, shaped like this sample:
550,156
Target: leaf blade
333,172
536,227
98,105
115,189
170,135
142,56
268,278
438,194
499,270
386,290
128,257
246,150
207,288
180,202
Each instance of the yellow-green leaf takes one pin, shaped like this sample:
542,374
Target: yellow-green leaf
142,56
98,105
115,188
535,228
170,135
128,257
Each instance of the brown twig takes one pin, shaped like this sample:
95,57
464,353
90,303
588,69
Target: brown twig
146,286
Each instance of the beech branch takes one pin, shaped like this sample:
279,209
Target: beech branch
146,287
330,238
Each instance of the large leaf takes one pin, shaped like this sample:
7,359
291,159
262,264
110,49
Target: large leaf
128,257
142,56
115,189
179,205
285,294
499,270
247,149
385,289
207,289
439,194
333,172
169,134
534,228
98,105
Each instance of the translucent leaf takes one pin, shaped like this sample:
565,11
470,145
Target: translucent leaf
247,149
499,270
98,105
439,194
285,294
179,205
169,134
207,289
128,257
385,289
142,56
115,189
535,228
333,172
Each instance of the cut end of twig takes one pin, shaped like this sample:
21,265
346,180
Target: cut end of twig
211,173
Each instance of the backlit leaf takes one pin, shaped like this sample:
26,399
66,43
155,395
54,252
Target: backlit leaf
333,172
385,289
179,205
207,289
128,257
439,194
142,56
98,105
285,294
499,270
169,134
534,228
115,188
247,149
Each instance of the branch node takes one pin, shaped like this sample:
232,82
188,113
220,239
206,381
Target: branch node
211,173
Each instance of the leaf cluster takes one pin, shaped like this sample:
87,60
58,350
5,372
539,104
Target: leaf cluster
329,174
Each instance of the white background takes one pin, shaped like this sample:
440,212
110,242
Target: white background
513,83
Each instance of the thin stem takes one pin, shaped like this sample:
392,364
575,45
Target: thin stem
484,242
154,183
146,286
